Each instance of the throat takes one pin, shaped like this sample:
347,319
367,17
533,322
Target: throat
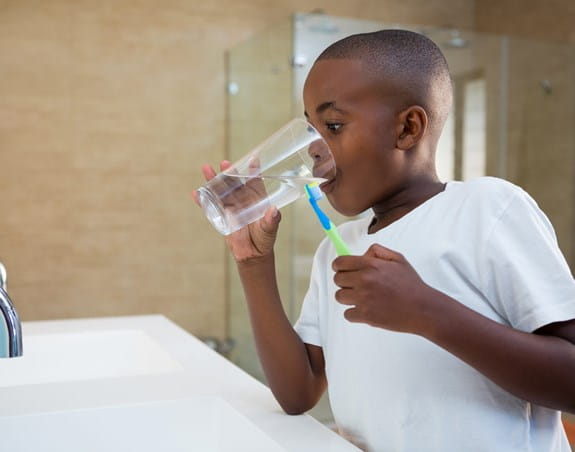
400,205
383,220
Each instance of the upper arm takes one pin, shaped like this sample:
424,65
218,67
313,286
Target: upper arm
317,364
564,330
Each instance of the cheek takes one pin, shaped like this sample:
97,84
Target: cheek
361,157
352,193
363,176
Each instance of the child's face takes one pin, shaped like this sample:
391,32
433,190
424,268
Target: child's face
356,115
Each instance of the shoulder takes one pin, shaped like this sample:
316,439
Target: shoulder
487,193
505,205
488,186
487,204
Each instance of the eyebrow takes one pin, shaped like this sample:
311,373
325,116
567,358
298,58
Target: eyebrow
325,106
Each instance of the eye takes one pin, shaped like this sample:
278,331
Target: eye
333,127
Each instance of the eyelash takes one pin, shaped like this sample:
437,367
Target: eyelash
333,127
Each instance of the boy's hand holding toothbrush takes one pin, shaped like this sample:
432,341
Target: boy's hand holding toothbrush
383,290
256,240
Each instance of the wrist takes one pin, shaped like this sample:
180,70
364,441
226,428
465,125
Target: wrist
436,312
256,262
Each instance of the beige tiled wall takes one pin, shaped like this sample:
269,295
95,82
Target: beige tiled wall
107,109
541,107
541,144
549,19
261,70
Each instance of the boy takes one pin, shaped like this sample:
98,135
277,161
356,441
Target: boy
451,328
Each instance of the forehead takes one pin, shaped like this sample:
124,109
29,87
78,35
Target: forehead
342,80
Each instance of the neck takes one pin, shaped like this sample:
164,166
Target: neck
404,201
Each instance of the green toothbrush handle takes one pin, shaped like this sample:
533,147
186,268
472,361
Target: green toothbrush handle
340,246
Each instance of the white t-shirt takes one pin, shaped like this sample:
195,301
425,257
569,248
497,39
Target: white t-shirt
486,244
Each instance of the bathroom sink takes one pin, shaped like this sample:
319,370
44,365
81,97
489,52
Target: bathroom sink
202,423
71,356
140,383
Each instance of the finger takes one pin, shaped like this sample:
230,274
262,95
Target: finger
345,279
196,197
208,172
348,263
254,166
353,315
345,296
224,165
256,182
382,252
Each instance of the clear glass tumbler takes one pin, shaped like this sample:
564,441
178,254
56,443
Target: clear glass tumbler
274,173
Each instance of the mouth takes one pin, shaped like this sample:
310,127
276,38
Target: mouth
327,187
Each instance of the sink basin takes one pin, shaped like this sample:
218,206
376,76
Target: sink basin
202,423
86,355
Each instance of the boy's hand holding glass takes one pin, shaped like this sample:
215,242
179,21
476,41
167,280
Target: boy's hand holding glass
242,201
256,239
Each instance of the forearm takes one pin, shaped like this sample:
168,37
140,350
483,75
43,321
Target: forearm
536,368
291,376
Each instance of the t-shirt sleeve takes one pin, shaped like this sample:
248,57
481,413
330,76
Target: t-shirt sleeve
526,277
307,325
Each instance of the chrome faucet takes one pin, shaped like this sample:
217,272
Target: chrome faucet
10,327
3,277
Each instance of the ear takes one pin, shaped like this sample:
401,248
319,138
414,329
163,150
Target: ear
412,124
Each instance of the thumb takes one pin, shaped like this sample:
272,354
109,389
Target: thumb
271,221
382,252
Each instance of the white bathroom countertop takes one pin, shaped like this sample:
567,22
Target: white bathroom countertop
140,383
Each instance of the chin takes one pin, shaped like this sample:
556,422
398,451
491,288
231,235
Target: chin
348,209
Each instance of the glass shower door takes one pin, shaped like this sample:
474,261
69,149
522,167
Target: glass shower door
259,91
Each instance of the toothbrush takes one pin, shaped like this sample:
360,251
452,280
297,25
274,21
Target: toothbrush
314,194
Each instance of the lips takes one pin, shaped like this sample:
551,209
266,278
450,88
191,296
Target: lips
327,187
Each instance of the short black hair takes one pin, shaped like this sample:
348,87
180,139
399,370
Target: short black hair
411,59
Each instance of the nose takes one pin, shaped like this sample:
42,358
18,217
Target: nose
319,151
323,161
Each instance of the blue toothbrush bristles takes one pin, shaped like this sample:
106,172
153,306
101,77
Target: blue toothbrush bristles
314,194
314,191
